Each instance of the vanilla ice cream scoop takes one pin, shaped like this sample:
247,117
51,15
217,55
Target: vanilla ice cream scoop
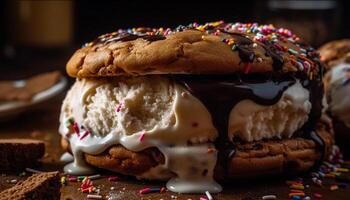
129,106
252,122
138,113
338,92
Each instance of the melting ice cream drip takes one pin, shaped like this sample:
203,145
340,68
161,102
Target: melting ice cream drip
192,165
194,168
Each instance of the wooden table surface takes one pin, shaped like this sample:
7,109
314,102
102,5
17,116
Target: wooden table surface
44,120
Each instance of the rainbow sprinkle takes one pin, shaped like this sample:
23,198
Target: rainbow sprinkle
86,133
113,178
119,107
76,128
142,136
63,180
207,193
148,190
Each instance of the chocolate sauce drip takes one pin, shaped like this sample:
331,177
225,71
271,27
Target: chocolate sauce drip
308,131
245,54
124,37
220,93
277,59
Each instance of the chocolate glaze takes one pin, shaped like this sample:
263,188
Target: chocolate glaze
220,93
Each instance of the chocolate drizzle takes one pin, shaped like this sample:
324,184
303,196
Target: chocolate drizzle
277,59
124,37
245,53
220,93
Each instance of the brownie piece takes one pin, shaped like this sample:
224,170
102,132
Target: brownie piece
17,154
39,186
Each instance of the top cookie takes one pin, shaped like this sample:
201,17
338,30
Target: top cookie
212,48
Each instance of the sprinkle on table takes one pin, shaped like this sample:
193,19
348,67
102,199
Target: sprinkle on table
297,186
113,178
87,186
86,183
269,197
207,193
13,181
94,196
33,170
342,170
333,187
81,178
72,179
149,190
318,195
301,194
63,180
317,181
94,177
144,191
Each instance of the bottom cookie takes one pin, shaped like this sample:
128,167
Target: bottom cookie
250,159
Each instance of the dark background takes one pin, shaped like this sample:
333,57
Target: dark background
93,19
317,23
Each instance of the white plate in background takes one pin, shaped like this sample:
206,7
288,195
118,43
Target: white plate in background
13,108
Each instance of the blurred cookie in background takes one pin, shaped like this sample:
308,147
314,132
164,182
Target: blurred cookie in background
336,56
